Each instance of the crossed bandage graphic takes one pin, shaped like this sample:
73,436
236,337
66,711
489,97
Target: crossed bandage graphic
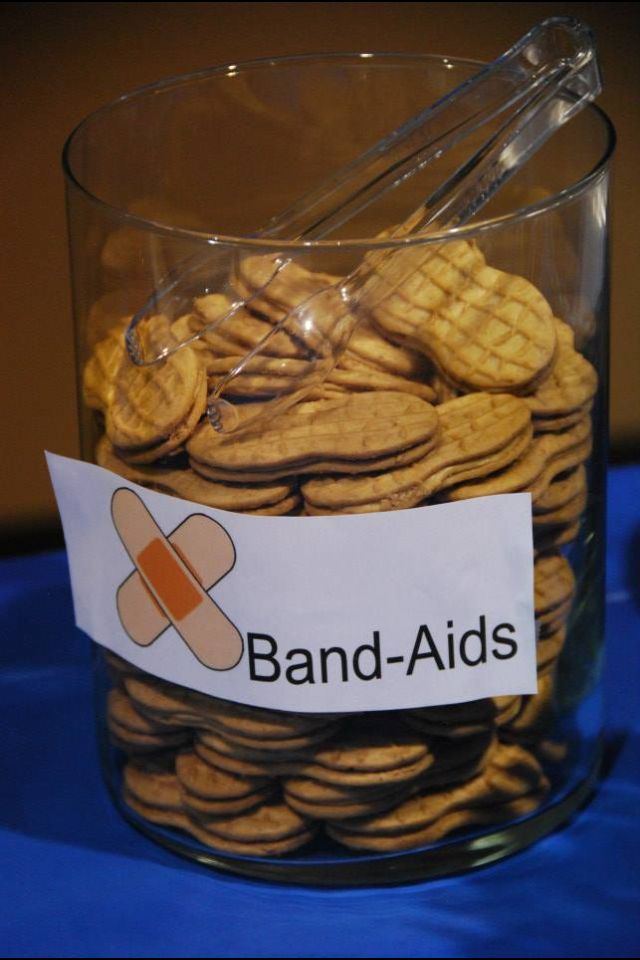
171,578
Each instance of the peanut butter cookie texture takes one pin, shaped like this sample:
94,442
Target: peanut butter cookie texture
458,382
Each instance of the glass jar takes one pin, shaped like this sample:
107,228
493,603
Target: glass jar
169,186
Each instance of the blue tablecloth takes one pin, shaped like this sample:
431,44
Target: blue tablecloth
78,881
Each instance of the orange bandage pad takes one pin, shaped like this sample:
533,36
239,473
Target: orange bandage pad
157,563
167,585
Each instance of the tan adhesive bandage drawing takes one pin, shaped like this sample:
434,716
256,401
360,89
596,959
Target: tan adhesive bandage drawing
176,571
207,550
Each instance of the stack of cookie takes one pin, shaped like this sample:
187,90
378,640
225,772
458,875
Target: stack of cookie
262,783
459,382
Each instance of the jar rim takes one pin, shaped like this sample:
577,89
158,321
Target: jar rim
468,231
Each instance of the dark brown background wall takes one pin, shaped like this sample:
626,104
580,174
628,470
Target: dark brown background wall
63,60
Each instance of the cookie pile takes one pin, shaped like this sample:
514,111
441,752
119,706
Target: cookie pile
458,382
256,782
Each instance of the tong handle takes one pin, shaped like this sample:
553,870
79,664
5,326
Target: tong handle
550,49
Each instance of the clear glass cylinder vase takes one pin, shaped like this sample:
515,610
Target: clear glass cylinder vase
167,190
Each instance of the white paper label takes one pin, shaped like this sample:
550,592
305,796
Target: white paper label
380,611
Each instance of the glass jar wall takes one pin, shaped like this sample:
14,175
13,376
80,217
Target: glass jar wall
493,338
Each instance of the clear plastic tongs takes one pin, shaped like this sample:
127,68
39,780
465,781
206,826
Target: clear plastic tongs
525,95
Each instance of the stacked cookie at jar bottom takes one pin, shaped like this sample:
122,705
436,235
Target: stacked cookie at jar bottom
458,382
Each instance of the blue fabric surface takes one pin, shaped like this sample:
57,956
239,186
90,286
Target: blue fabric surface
78,881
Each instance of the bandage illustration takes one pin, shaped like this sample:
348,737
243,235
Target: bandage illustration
170,583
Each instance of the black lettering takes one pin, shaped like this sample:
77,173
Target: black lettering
305,667
270,657
510,642
481,634
424,634
325,653
451,644
374,650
